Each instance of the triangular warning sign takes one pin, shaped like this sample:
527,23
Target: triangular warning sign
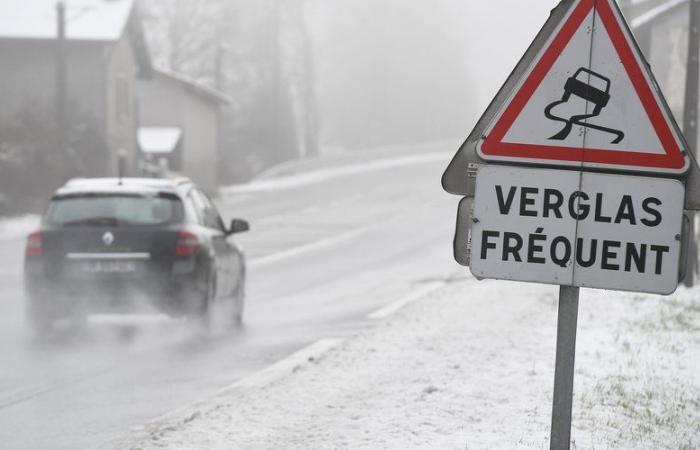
587,99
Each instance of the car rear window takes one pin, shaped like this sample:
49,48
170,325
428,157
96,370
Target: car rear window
115,210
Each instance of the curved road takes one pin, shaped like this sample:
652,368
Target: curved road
322,256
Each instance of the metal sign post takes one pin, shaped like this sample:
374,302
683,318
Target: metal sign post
560,435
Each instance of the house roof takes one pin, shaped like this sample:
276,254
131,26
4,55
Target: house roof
193,86
159,140
87,20
102,21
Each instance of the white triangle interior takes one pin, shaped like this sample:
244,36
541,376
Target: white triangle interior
623,112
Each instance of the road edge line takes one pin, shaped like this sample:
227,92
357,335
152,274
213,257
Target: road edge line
285,366
174,420
306,248
411,297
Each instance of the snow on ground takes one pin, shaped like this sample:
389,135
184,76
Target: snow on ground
18,226
334,157
471,366
324,174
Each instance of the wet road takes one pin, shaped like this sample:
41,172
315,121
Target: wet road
322,255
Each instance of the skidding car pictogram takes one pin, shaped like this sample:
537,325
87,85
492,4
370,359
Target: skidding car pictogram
598,97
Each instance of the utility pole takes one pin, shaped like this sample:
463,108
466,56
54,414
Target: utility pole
60,79
560,432
690,124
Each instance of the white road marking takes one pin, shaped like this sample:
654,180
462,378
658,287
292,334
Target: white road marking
172,421
329,241
391,308
306,248
286,366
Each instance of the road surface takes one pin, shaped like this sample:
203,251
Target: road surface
322,255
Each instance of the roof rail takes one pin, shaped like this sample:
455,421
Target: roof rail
182,180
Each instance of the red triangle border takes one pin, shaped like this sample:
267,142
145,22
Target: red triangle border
673,160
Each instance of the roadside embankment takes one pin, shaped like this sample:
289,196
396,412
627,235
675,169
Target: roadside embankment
471,366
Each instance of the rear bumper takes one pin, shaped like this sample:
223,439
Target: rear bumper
171,291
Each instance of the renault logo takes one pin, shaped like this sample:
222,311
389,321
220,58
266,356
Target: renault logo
108,238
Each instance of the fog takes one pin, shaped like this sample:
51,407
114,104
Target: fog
392,72
300,146
346,75
289,80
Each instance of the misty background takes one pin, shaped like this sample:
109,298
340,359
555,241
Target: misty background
354,74
343,115
293,79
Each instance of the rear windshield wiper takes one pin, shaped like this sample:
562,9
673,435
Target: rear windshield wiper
93,221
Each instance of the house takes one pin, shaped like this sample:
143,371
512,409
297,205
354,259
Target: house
179,123
104,52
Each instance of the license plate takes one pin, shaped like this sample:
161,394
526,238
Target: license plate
108,266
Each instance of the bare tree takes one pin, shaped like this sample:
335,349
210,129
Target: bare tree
183,35
258,52
301,72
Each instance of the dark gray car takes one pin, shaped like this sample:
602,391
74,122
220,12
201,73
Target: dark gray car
115,245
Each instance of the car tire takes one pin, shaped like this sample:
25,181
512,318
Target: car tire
239,301
205,300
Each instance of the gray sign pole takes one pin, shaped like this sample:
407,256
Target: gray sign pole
692,79
560,436
690,127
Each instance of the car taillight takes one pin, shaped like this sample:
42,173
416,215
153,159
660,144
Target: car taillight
187,243
35,245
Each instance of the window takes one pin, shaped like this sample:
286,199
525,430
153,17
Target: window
209,215
196,202
115,210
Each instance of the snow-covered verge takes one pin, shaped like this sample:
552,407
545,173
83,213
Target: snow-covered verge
18,226
333,157
319,175
471,366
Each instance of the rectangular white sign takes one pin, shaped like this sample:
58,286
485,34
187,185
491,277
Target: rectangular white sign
577,228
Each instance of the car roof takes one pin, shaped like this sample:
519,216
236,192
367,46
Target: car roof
128,185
